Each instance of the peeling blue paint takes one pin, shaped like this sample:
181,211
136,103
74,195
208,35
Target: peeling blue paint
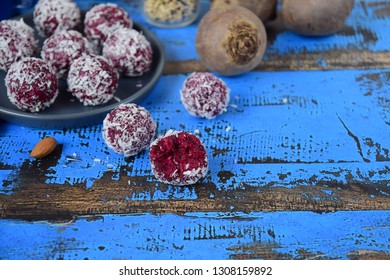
230,235
321,128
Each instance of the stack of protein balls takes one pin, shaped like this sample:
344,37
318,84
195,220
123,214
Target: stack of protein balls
90,60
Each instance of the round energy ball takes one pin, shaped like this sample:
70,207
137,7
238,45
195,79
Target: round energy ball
128,129
25,31
62,48
204,95
103,19
178,158
92,80
51,16
129,51
31,84
17,41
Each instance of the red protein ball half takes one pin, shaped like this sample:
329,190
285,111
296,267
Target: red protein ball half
178,158
17,41
51,16
129,51
103,19
62,48
92,80
204,95
128,129
31,84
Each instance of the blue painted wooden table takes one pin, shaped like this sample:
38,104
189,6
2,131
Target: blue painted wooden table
299,163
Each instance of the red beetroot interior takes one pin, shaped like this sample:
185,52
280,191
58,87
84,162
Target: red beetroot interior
177,153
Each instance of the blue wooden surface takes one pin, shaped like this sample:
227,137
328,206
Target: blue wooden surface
293,134
202,236
290,140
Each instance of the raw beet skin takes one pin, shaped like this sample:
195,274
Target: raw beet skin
315,17
264,9
204,95
231,40
178,158
31,84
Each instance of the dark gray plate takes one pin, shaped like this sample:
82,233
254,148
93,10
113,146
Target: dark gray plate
67,111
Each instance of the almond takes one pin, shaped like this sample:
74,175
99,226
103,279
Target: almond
44,147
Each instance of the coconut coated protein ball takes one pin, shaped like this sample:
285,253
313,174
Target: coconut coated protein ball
17,41
178,158
204,95
92,80
129,51
128,129
62,48
103,19
31,84
51,16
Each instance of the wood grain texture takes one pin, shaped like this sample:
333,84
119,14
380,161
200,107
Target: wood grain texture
319,150
233,236
336,60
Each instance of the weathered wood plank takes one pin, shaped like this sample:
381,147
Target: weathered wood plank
280,235
335,60
316,141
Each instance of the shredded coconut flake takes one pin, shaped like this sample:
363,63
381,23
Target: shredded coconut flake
204,95
31,84
51,16
62,48
92,80
128,129
17,41
103,19
129,51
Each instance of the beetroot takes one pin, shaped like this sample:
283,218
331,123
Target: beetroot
31,84
231,40
92,80
128,129
204,95
315,17
264,9
178,158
